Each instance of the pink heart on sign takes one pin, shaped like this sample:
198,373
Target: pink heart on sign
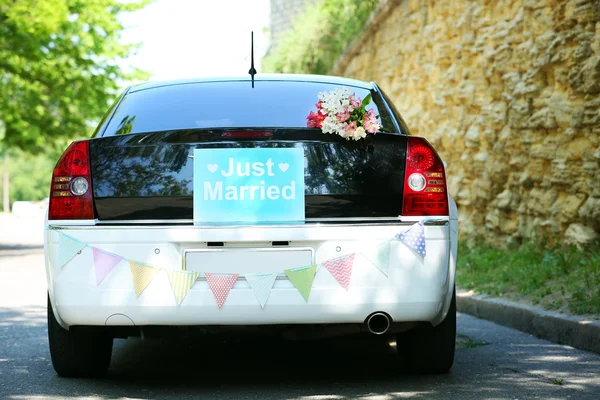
212,167
283,166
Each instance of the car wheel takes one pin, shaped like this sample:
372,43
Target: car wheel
429,350
78,353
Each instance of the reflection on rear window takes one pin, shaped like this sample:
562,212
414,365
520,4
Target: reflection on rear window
271,104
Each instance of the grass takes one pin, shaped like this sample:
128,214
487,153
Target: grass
566,280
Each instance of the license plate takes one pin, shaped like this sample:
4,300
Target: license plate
244,261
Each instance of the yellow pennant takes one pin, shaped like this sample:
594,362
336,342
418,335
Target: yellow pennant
181,282
142,275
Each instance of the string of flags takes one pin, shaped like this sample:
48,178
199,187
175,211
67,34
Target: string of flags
220,284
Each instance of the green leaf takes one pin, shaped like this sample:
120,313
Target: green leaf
366,101
59,68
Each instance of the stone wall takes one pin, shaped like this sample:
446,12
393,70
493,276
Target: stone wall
508,91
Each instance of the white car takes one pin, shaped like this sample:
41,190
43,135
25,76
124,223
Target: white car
217,203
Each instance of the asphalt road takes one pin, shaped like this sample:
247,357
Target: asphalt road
492,362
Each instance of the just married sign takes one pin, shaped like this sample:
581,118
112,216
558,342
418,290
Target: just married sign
248,185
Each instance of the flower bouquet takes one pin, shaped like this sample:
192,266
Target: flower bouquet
343,113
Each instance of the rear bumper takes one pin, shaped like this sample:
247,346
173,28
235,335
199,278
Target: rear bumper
416,289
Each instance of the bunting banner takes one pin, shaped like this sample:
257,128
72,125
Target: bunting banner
380,258
220,285
341,269
142,274
68,248
261,285
181,282
415,238
104,262
302,278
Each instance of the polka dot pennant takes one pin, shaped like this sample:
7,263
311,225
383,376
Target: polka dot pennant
68,248
380,257
220,285
415,238
142,274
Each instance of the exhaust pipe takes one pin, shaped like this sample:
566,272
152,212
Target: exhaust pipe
378,323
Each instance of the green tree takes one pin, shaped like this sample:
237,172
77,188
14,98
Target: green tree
59,68
319,36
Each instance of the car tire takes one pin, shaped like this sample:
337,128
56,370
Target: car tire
429,350
78,353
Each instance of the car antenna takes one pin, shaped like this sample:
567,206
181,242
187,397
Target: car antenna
252,71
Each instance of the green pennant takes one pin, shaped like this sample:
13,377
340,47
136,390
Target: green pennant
302,279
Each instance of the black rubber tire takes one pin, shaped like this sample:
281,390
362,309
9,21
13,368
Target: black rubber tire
429,350
78,353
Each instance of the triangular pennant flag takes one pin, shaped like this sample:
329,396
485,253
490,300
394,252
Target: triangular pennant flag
220,285
261,284
302,279
181,282
104,263
142,275
341,269
381,257
68,247
415,238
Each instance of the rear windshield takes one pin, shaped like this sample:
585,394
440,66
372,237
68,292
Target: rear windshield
271,104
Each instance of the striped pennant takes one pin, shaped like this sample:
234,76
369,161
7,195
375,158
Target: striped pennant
181,282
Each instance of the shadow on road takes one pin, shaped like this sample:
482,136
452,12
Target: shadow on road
230,368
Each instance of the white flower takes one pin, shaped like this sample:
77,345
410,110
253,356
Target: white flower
335,101
359,133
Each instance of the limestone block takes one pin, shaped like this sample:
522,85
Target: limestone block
566,206
581,235
539,201
590,211
504,200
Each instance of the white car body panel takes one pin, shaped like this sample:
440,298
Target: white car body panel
417,289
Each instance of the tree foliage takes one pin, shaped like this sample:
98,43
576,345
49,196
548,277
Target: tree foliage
30,175
58,67
319,36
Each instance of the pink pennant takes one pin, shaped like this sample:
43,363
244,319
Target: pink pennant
220,285
341,269
104,263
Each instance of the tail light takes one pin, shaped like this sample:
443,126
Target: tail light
71,187
425,180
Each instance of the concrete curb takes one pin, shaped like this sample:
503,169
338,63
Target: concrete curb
577,332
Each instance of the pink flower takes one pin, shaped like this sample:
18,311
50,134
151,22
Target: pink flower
315,120
350,128
354,101
370,124
343,116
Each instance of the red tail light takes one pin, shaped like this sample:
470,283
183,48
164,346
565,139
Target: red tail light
71,187
425,180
